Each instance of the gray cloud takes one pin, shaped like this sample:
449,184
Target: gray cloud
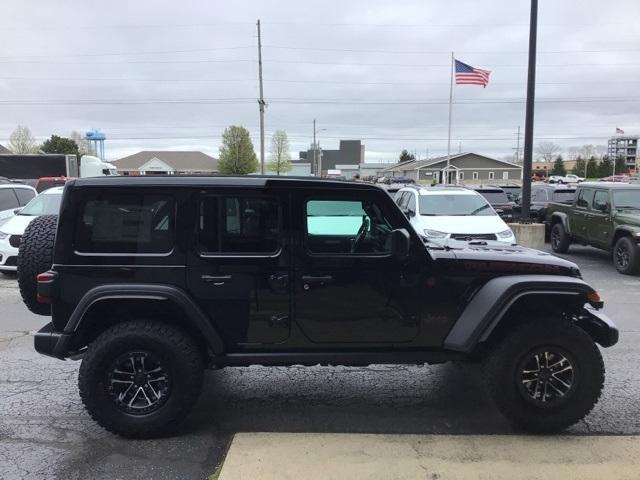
372,70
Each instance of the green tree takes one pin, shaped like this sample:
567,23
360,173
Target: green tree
579,168
606,167
621,165
405,156
280,158
57,144
592,167
237,156
558,167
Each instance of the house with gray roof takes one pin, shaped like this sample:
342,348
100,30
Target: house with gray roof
171,162
468,168
4,150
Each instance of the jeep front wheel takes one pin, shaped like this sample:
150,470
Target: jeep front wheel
545,375
559,238
626,257
141,378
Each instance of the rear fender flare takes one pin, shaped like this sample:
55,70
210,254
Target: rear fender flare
192,312
491,303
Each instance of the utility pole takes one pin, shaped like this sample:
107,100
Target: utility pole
518,146
315,148
528,125
261,101
450,110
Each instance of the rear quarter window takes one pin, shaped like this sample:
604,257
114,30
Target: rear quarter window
125,224
25,195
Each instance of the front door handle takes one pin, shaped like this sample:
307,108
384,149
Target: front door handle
217,280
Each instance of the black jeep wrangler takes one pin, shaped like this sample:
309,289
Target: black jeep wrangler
150,280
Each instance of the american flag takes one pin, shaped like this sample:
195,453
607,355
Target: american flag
619,130
468,75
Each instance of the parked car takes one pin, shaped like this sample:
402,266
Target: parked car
12,197
616,179
47,203
452,213
150,280
569,178
541,196
513,191
498,199
44,183
603,215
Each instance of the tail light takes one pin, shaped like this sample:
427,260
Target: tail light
46,285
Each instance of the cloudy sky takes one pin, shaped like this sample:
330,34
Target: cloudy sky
172,75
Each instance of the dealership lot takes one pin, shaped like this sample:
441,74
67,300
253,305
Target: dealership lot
45,432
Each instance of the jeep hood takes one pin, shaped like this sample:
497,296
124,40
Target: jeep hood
498,258
628,217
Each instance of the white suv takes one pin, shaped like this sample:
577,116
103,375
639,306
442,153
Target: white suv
456,213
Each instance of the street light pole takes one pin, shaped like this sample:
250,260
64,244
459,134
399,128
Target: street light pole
315,148
528,125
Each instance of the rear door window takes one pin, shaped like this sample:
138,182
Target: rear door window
126,224
239,225
584,198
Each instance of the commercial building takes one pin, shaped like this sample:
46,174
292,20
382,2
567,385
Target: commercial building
468,168
346,158
624,146
158,162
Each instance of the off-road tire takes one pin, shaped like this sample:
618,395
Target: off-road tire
35,255
181,357
626,257
503,375
560,240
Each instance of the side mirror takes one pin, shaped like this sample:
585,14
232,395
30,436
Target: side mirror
601,206
499,211
400,243
17,210
410,213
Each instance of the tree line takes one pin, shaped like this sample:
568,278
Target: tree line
591,167
237,155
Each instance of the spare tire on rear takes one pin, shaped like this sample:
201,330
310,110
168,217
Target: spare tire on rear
35,256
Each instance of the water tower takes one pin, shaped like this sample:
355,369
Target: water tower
96,138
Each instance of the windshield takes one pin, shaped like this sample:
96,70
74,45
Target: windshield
48,204
564,196
454,205
494,196
627,199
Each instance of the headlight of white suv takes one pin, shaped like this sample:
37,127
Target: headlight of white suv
434,234
3,235
505,234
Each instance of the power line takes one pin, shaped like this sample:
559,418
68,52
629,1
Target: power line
156,52
443,52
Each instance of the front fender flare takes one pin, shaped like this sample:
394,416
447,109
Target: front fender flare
490,304
159,292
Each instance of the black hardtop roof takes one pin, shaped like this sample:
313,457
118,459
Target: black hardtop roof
611,185
195,181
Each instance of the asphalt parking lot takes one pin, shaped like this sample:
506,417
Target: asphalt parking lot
45,433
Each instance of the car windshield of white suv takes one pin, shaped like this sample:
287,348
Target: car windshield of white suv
48,204
627,199
454,205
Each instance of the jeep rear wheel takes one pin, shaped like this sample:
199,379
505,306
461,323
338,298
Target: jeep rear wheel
626,257
35,255
559,239
141,378
545,375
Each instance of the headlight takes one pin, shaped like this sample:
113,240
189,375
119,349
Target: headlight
3,235
505,234
434,234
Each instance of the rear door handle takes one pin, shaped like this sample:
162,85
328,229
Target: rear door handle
217,280
308,280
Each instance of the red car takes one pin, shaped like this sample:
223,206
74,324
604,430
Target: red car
45,183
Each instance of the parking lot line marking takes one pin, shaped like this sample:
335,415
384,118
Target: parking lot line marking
294,456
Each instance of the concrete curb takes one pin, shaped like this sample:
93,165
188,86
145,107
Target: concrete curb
283,456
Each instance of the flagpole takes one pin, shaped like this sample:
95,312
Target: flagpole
450,110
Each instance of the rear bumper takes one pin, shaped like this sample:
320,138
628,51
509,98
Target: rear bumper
48,341
599,326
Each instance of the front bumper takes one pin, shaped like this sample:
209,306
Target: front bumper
599,326
8,256
48,341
